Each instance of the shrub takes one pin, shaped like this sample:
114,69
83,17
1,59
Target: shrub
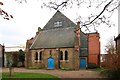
111,74
114,74
92,65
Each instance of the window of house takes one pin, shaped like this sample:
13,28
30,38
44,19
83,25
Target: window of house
61,55
58,24
66,55
36,56
40,55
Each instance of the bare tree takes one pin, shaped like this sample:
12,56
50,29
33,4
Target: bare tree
93,20
4,13
110,46
10,63
112,59
106,7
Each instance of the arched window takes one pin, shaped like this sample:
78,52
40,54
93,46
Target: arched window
36,56
50,53
40,55
66,55
61,55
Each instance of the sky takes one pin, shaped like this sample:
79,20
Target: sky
29,16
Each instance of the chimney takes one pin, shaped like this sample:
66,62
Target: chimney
77,27
39,29
78,24
77,32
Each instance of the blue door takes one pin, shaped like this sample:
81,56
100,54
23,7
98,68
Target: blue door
82,63
50,62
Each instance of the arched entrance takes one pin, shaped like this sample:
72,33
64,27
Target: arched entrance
51,63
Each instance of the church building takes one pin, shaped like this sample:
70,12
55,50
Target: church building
62,45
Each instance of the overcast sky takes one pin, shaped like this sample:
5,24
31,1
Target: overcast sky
29,16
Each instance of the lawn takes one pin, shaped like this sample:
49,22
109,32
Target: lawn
27,76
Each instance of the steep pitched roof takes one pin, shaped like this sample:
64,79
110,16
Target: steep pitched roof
59,17
55,38
59,37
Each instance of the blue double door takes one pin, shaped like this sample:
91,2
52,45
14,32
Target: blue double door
82,63
51,63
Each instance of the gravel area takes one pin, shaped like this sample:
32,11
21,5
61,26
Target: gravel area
60,73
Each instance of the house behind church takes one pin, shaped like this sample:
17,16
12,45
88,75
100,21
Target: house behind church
62,44
2,50
117,40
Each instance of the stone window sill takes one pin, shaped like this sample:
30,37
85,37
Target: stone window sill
64,60
36,61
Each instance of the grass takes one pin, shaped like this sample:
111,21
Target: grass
27,75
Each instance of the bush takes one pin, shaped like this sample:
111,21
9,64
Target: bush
114,74
92,65
111,74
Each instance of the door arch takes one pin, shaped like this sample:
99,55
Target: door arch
50,63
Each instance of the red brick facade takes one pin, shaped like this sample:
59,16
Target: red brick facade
94,48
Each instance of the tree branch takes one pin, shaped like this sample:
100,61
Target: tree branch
4,14
55,5
63,3
99,14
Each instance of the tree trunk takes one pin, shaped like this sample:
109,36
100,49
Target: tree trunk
11,71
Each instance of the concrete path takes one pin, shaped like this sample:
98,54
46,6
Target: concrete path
61,73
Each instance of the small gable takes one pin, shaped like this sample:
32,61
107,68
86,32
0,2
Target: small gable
59,20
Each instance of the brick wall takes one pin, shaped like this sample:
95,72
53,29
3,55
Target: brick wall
27,53
94,48
73,58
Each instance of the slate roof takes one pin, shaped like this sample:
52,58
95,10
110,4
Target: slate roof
55,38
60,37
58,16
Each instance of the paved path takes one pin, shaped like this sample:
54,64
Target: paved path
60,73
